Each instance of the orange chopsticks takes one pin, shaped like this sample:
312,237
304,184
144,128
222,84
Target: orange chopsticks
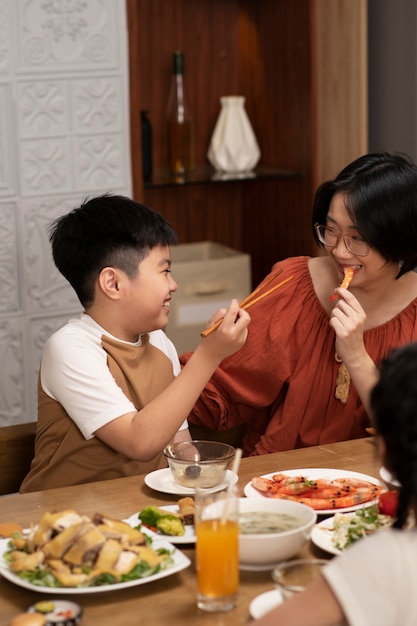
251,299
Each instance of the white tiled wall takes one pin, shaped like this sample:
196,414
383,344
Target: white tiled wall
64,134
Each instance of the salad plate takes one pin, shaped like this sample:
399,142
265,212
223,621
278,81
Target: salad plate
316,473
265,602
188,537
179,562
162,480
322,534
348,528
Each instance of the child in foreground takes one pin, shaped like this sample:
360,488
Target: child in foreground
111,393
374,582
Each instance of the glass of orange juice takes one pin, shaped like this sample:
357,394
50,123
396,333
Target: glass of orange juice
217,549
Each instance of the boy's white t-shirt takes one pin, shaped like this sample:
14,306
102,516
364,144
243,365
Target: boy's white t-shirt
83,383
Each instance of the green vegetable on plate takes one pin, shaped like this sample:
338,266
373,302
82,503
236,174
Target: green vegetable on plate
162,521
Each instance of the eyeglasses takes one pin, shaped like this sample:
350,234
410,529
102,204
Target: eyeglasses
330,238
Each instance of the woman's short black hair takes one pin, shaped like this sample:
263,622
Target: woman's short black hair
380,194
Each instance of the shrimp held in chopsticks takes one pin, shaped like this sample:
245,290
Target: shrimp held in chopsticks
349,272
320,493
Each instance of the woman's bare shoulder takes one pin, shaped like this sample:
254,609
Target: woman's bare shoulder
322,271
324,278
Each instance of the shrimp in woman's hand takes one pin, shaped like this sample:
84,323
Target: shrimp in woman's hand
349,272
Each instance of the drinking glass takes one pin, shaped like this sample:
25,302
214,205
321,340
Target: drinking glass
217,549
292,577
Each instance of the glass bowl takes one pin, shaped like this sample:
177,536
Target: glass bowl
199,464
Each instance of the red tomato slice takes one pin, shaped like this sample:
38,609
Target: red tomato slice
388,503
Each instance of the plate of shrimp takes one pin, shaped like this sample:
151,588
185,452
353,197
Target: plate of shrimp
325,490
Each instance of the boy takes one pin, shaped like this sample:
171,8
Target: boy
111,395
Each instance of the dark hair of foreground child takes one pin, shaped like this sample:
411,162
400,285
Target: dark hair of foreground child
373,583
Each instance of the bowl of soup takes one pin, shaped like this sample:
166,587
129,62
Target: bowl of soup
271,531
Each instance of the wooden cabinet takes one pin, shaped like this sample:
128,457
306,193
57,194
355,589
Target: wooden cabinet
301,65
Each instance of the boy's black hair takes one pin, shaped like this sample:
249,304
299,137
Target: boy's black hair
381,198
394,404
105,231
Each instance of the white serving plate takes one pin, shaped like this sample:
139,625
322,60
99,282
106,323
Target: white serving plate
314,473
188,537
180,562
162,480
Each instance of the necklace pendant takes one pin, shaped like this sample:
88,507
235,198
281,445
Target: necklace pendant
342,384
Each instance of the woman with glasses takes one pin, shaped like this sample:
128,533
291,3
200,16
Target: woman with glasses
311,356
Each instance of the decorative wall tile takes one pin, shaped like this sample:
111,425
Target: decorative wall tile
57,34
6,112
64,134
46,288
9,284
4,36
45,166
99,162
12,397
43,108
97,104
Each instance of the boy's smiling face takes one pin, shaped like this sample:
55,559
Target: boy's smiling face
145,298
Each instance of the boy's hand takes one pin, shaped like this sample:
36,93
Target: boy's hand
231,335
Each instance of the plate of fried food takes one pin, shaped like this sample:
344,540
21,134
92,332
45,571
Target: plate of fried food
71,553
174,522
324,489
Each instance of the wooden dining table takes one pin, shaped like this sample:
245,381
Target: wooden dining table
170,600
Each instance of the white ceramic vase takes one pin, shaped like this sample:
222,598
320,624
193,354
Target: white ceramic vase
233,146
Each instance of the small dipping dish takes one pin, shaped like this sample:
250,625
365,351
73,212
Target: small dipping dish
58,612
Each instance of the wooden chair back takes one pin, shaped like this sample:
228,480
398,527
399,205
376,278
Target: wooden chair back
17,445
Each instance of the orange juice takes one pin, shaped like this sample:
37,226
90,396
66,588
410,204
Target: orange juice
217,555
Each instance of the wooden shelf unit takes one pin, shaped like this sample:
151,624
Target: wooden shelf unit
301,65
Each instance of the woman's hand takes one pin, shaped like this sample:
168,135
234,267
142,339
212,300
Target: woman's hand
348,321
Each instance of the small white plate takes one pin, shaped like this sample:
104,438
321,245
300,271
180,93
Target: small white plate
388,478
314,473
265,602
161,480
188,537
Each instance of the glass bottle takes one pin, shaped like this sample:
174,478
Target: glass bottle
180,124
146,137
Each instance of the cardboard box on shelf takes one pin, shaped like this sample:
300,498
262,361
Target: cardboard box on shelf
209,275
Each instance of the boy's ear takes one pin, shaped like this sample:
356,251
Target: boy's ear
108,282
